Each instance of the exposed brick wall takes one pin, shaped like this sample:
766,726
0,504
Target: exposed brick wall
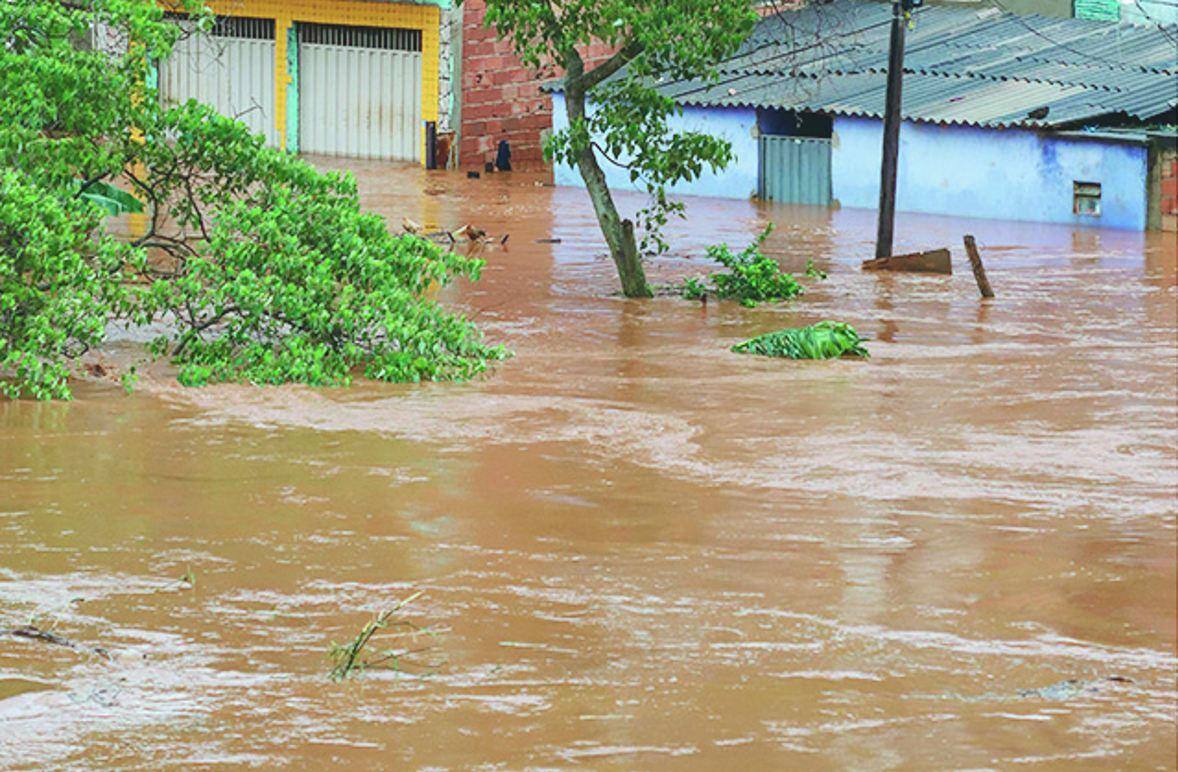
1169,193
501,98
1163,188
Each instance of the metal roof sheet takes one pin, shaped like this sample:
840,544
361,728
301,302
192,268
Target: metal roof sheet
986,68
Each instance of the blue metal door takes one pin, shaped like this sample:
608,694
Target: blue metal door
794,170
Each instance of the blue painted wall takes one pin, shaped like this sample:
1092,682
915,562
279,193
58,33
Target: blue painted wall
998,174
1006,174
736,125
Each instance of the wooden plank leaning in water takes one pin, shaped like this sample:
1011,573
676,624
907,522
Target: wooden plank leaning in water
935,261
979,270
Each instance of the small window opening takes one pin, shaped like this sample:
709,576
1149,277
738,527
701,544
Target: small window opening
788,123
1086,198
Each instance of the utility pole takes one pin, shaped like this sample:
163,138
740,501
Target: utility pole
891,132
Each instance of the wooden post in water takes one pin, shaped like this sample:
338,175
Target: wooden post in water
891,132
979,270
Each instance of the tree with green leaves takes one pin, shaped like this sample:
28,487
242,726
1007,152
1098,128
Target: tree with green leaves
615,112
255,266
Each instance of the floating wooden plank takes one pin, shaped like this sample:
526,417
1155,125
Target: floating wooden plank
979,270
935,261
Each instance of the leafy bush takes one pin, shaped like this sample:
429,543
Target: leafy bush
824,340
753,277
58,285
290,281
261,268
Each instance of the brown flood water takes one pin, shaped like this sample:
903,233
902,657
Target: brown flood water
641,550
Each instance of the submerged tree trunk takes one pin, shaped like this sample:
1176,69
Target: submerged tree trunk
619,233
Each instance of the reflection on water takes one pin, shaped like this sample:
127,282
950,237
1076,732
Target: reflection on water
641,547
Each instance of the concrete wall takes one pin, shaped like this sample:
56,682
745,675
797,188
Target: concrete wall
737,125
1008,174
998,174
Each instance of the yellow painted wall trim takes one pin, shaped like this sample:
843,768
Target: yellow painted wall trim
281,77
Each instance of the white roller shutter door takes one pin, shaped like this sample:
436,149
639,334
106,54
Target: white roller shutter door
360,92
231,69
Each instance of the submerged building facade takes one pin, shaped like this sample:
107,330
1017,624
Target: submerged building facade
356,78
1002,119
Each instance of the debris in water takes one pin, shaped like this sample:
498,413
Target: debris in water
411,226
469,232
813,271
33,633
1067,689
935,261
824,340
979,270
1071,687
349,658
753,277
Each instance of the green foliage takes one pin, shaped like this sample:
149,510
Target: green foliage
752,277
824,340
113,201
628,122
291,281
813,271
58,284
695,288
259,267
349,659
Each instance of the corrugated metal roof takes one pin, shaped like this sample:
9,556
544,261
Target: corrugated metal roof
964,66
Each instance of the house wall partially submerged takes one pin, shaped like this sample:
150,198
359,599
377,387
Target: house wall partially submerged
343,103
1003,174
1000,174
736,125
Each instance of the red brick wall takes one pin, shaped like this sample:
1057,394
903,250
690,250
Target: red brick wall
1169,193
501,98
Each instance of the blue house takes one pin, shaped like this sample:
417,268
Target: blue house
1005,117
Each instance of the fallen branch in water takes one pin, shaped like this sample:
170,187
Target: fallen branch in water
349,658
468,233
33,633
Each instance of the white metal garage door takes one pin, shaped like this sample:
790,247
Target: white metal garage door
360,91
231,69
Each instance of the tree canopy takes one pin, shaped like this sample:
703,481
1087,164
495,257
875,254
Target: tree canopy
615,111
255,266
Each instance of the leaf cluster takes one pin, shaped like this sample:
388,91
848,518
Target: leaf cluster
824,340
752,276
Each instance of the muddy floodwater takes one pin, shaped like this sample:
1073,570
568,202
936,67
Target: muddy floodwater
635,548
